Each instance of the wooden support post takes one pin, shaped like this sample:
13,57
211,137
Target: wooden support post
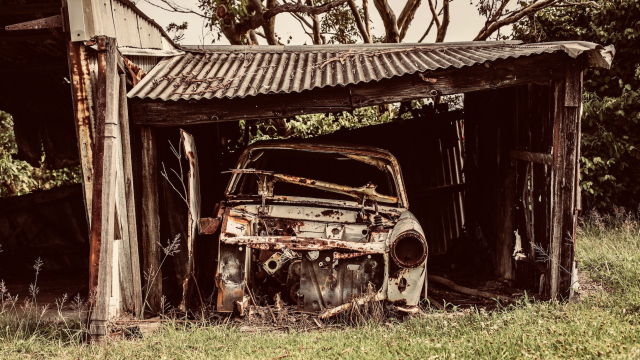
151,220
566,141
506,202
130,200
80,91
103,212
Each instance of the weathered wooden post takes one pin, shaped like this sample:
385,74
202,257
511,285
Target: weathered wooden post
566,138
151,220
104,186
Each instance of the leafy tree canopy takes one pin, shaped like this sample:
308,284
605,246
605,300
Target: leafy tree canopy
610,162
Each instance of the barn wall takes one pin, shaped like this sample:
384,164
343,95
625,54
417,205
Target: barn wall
49,224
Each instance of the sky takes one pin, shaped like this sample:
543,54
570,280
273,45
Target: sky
464,26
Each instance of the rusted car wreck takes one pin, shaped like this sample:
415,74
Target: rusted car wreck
318,243
495,180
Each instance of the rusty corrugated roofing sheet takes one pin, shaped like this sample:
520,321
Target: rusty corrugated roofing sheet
239,71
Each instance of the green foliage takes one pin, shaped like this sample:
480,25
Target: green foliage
18,177
306,126
610,127
341,26
610,165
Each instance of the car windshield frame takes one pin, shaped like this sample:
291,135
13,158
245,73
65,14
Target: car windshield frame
380,154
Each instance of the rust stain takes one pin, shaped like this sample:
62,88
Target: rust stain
209,225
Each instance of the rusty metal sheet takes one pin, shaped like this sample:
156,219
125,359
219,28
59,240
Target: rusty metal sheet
301,243
367,192
209,225
327,282
230,278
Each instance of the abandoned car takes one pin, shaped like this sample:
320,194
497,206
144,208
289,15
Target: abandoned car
320,224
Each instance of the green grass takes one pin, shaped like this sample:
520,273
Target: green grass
605,324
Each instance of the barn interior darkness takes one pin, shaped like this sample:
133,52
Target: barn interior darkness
456,164
459,173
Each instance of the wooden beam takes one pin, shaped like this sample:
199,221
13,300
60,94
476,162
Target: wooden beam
566,142
103,212
538,158
50,22
80,88
37,8
151,219
130,199
500,74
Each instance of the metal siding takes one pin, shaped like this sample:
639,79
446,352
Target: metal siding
239,71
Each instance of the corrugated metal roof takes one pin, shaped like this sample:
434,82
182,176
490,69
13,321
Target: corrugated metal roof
239,71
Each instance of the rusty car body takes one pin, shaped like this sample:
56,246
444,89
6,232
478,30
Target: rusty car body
289,226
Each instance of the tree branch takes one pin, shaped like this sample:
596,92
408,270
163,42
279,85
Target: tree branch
406,17
173,7
367,23
317,40
358,20
299,8
442,30
430,26
389,21
513,17
434,15
410,7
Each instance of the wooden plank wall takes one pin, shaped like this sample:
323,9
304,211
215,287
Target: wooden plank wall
49,224
533,127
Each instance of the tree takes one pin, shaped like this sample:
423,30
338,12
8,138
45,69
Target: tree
240,21
610,162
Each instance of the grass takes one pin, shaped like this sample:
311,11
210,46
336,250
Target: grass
605,324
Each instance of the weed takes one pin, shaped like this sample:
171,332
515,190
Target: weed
606,323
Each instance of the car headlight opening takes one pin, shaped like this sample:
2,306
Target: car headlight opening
409,249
